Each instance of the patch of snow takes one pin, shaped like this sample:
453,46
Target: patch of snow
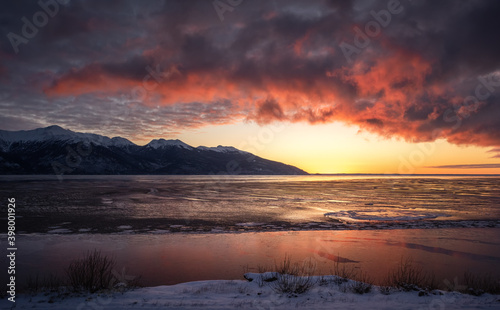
382,215
159,231
249,224
124,227
328,292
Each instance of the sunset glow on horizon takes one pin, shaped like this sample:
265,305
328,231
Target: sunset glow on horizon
336,148
409,87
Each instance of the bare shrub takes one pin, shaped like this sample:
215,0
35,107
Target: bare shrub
359,287
431,282
292,285
91,273
385,290
344,272
286,267
294,279
323,281
478,284
36,284
362,285
262,269
407,276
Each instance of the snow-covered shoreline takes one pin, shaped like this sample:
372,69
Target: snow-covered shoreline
327,293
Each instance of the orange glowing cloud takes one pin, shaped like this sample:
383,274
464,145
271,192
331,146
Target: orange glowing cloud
277,65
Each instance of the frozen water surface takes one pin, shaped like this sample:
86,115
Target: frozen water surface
202,203
172,229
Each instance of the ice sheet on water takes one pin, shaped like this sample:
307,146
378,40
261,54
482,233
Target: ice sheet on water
383,215
244,203
124,227
249,224
59,231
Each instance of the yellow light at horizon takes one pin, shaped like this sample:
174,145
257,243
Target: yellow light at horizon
337,148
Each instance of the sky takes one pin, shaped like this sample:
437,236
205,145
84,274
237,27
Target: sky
330,86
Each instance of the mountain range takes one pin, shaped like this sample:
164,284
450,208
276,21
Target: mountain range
57,150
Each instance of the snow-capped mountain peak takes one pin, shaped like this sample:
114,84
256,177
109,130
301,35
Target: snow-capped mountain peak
46,150
57,133
39,134
160,143
54,130
220,149
119,141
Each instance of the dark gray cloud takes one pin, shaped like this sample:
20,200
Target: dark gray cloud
419,77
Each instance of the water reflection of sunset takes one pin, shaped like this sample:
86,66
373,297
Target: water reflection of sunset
169,259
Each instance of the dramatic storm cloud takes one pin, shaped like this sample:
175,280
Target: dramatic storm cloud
418,70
